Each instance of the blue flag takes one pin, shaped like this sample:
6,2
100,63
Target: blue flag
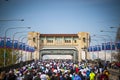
103,46
91,48
88,49
113,46
1,42
20,45
23,46
98,48
27,48
118,45
108,46
15,42
95,48
31,49
8,43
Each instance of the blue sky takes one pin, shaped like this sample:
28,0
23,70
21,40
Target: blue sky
60,16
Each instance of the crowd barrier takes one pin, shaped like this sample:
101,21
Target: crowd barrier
15,66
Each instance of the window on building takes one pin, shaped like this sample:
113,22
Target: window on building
49,41
42,41
33,39
75,41
67,41
84,39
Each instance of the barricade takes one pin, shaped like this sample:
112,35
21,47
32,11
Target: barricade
14,66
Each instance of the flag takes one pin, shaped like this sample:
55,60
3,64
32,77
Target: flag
98,48
108,46
8,43
113,46
31,49
94,48
23,46
103,46
15,42
27,48
88,49
20,45
118,45
91,48
1,42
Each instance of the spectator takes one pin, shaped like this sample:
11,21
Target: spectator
43,76
37,77
77,77
3,76
11,75
92,75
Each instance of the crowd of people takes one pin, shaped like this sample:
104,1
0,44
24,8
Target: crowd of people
58,70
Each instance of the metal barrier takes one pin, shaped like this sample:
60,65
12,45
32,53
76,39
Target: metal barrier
15,66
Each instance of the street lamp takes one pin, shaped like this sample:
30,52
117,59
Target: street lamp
12,20
5,41
13,43
107,31
22,46
97,44
110,43
19,41
111,38
104,45
117,32
115,27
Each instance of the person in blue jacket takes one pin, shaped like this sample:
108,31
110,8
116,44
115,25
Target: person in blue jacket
77,77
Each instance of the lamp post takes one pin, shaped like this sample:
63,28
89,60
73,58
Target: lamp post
22,47
115,27
110,44
97,44
104,45
107,31
12,20
5,41
13,43
117,32
19,41
110,37
26,55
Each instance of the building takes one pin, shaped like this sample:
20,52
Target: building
59,44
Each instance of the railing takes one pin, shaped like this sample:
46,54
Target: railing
15,66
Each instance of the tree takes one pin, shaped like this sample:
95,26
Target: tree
8,57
